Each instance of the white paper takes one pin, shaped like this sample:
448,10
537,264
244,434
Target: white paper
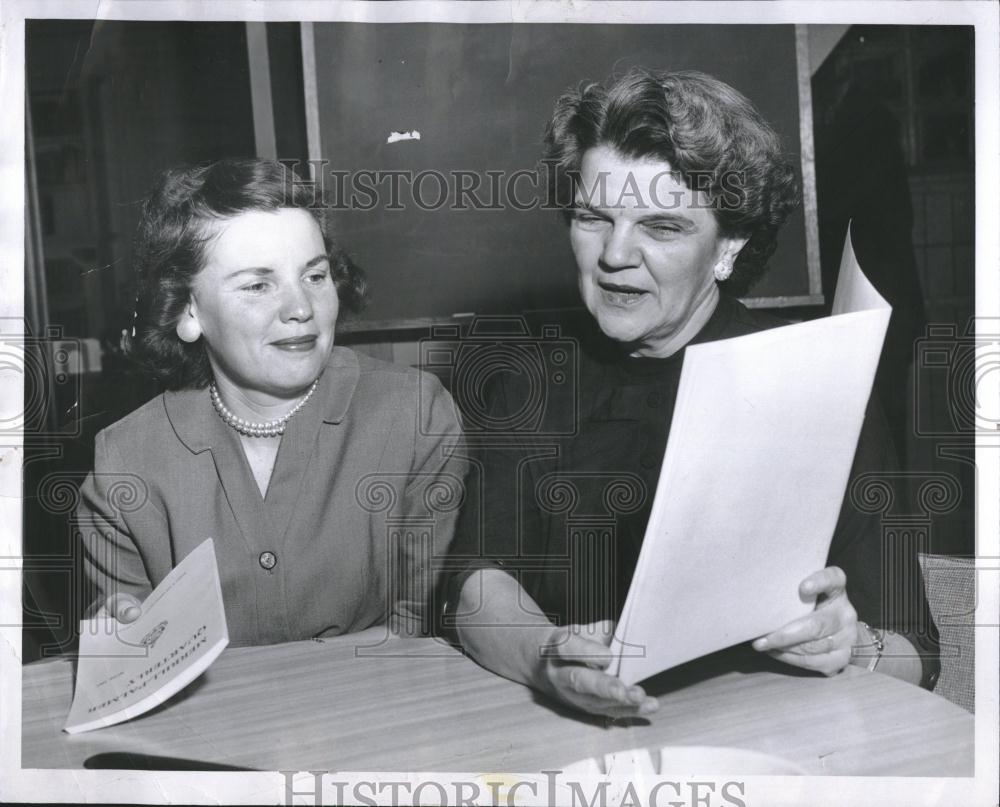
126,670
761,444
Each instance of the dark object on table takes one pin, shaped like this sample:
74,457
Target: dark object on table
123,760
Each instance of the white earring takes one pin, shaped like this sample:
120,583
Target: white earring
188,329
723,269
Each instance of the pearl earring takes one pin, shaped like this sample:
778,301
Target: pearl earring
723,269
188,329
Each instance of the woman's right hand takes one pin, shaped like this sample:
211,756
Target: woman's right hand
572,670
123,607
503,629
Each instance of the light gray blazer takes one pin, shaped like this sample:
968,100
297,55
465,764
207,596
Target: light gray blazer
361,503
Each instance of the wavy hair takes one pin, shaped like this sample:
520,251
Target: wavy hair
169,250
711,136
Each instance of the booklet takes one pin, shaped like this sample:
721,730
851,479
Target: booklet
126,670
761,445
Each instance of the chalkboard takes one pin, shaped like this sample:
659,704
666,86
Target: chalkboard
479,96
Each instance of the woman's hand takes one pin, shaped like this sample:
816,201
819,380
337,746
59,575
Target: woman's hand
502,628
123,607
572,670
822,640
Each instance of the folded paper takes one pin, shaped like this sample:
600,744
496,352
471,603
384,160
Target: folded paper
126,670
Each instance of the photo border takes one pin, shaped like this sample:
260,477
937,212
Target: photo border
18,784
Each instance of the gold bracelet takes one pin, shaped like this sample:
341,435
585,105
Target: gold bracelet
878,642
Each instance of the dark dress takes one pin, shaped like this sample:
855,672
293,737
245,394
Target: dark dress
562,501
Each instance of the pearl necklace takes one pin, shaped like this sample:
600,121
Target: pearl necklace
269,428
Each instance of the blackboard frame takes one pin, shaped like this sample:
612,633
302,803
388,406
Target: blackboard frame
813,297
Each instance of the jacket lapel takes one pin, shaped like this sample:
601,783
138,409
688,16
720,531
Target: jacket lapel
199,427
264,522
295,462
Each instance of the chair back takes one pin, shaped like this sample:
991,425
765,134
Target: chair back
951,594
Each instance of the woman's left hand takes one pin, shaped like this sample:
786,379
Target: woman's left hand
821,641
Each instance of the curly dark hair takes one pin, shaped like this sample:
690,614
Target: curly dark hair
169,251
709,133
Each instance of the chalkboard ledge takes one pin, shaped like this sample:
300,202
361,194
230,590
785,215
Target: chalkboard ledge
370,326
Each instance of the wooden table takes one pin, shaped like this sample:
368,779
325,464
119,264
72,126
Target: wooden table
365,703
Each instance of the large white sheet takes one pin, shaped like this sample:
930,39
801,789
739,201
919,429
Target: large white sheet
761,444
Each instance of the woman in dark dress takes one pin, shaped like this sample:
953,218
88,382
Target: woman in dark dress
674,188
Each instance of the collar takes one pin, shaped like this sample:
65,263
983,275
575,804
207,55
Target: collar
693,327
717,327
197,425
